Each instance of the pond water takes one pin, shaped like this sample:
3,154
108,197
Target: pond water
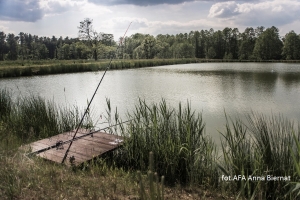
211,88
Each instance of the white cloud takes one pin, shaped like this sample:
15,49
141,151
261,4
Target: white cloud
54,7
138,2
266,13
4,27
224,10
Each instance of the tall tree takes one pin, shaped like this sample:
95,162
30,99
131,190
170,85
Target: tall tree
2,45
86,32
22,46
247,44
268,45
218,44
12,42
148,47
291,48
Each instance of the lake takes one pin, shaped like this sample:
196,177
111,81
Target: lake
211,88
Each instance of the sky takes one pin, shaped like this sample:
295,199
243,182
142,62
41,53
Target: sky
62,17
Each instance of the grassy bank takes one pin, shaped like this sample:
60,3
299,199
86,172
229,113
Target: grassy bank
181,152
26,120
44,67
15,69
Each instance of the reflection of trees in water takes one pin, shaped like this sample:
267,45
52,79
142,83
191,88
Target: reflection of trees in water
290,79
250,81
265,81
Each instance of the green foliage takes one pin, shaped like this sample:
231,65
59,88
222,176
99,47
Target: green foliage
229,43
65,66
211,53
5,104
295,152
176,137
268,45
259,148
31,118
291,47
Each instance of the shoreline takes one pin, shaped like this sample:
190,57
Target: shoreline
32,68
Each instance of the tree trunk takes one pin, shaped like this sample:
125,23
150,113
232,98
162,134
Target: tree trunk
95,55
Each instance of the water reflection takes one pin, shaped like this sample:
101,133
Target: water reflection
249,80
290,79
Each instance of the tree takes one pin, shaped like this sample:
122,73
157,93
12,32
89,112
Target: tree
247,44
12,46
2,45
208,43
82,50
22,46
131,43
43,52
218,44
211,53
268,45
234,46
227,34
87,33
291,47
148,47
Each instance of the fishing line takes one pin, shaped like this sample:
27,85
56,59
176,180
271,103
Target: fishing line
86,110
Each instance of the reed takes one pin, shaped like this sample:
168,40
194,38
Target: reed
31,118
9,69
295,185
182,151
5,103
259,147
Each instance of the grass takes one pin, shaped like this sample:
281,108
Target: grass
181,152
45,67
260,147
15,68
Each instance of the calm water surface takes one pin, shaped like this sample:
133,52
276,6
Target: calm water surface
211,88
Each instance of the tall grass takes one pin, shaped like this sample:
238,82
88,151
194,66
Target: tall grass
5,103
57,67
182,151
31,118
259,147
295,185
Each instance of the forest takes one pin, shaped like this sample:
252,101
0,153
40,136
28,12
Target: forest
253,44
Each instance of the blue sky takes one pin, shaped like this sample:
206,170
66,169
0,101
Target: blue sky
62,17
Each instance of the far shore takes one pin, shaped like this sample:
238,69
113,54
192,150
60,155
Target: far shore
45,67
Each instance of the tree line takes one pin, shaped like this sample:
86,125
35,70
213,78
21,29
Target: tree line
252,44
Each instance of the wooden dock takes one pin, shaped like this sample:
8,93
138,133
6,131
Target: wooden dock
86,146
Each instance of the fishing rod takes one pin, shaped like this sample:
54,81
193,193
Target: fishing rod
58,144
86,110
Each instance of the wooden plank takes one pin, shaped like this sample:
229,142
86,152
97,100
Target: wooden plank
95,142
83,149
57,156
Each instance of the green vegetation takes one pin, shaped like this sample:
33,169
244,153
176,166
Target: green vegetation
83,66
13,68
181,152
260,148
252,44
33,55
